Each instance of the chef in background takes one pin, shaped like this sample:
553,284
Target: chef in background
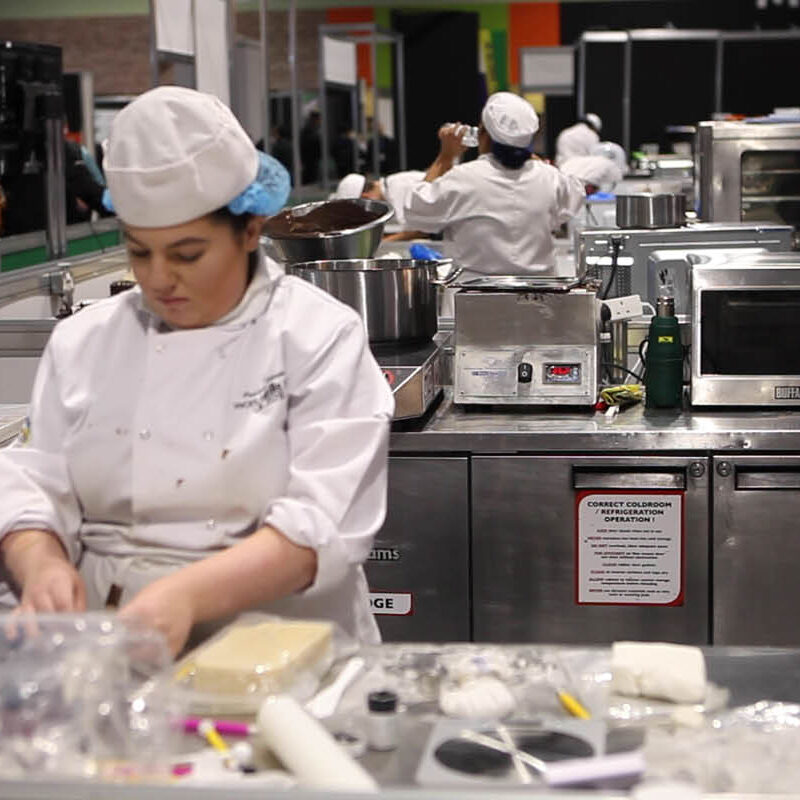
215,439
498,211
392,189
579,139
602,170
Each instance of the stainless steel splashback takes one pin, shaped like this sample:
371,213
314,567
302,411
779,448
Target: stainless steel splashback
595,247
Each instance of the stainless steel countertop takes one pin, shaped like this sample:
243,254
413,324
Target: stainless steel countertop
11,419
749,674
453,429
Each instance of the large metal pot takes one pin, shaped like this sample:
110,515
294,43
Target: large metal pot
359,242
396,297
651,210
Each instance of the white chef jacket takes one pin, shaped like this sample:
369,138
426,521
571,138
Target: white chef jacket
150,447
499,220
577,140
597,170
396,188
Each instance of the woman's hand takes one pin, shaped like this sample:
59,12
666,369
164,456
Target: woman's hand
450,146
41,569
166,606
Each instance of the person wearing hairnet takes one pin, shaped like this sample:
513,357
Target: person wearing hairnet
498,211
215,439
579,139
392,189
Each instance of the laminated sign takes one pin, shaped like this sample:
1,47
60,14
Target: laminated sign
629,548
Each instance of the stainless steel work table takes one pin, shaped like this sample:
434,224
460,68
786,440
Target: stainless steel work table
453,429
750,675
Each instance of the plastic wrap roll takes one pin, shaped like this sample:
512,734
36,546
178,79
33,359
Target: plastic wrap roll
307,750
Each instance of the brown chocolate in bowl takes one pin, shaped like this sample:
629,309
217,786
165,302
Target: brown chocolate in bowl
330,217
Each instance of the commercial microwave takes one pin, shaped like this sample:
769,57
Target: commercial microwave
745,329
748,172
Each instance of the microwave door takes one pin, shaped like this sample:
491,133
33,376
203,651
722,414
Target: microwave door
749,347
750,332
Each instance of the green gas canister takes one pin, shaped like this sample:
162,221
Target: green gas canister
664,375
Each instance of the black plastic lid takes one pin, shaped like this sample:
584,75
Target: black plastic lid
382,701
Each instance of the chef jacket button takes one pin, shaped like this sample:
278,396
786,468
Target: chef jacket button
159,348
144,434
208,435
211,524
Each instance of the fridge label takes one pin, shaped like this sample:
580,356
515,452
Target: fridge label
629,548
400,604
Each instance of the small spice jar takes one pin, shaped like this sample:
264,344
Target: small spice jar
382,720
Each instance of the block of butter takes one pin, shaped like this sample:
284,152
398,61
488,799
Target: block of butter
673,672
265,657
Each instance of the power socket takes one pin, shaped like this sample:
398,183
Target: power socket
628,307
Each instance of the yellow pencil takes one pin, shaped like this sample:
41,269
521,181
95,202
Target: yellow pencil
206,728
573,705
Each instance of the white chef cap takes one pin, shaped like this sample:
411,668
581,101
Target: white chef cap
509,119
594,121
174,155
350,187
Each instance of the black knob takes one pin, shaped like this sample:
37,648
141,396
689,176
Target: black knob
525,372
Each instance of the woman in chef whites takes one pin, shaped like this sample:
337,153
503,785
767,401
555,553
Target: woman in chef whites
214,440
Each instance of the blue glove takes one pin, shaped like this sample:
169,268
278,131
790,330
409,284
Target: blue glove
424,253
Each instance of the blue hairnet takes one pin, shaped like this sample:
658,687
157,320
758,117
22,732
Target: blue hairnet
268,193
265,196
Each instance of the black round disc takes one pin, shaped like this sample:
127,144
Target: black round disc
473,759
552,745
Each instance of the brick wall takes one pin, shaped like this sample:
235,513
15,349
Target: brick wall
307,45
117,49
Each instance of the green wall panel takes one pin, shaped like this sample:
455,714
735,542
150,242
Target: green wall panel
77,247
49,9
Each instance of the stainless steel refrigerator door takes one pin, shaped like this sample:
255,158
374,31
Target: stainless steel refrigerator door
524,551
420,560
756,550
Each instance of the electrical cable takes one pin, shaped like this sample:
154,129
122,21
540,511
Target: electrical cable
616,245
611,365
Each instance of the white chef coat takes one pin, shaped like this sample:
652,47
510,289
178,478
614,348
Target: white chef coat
597,170
150,447
577,140
396,188
499,220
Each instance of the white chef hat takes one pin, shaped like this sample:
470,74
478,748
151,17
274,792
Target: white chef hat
350,187
509,119
594,121
175,154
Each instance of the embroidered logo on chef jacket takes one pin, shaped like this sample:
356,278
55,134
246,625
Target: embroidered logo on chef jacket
271,391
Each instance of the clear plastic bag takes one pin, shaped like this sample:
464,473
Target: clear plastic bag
747,749
255,656
84,695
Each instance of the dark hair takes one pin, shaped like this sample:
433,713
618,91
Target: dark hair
586,121
238,224
509,156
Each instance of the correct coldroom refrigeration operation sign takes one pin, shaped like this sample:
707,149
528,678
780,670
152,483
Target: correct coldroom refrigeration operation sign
629,548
